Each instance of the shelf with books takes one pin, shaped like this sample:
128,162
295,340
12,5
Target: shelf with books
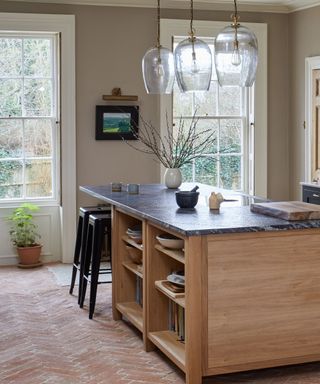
176,254
127,287
177,297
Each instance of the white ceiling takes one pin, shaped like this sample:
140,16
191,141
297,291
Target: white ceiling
282,6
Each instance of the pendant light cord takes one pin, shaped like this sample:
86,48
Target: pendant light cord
235,10
235,24
158,21
192,31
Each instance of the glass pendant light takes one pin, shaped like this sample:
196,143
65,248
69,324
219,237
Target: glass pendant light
236,54
158,67
193,62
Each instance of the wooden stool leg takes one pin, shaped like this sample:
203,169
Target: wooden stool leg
86,267
95,266
76,254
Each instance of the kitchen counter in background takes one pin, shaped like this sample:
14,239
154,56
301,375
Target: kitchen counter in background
311,192
157,203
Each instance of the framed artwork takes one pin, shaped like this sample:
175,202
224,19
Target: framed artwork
116,122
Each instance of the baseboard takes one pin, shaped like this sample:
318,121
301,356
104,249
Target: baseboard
13,259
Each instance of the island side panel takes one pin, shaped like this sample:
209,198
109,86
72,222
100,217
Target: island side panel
195,253
263,300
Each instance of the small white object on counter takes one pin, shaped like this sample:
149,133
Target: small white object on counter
215,200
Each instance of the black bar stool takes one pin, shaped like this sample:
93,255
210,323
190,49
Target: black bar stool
98,227
81,242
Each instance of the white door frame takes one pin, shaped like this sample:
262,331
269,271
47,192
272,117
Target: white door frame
311,63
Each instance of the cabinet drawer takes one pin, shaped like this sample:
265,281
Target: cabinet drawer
311,195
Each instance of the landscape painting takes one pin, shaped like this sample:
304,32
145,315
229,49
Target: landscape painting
116,122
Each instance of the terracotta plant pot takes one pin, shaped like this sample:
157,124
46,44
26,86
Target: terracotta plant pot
29,255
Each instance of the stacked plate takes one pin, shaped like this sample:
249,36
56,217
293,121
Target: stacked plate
135,233
176,278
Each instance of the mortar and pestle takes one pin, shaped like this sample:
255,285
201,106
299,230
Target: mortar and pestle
187,199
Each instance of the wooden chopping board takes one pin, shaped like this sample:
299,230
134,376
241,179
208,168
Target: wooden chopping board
288,210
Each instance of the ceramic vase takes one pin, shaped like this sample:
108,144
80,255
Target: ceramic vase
172,178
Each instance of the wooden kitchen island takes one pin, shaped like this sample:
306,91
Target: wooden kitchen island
252,282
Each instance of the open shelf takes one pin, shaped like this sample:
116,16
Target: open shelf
128,240
168,343
134,268
176,254
133,312
178,298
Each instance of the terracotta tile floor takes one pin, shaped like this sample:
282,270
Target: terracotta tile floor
46,339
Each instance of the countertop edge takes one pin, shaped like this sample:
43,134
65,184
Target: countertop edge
287,225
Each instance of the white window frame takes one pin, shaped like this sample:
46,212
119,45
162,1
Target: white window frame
65,26
259,108
54,118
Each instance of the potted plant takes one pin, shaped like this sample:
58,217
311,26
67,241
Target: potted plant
24,235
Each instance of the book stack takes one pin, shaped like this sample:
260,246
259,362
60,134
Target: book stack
177,320
139,291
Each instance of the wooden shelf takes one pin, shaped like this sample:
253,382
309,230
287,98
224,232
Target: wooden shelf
133,312
178,298
176,254
169,344
119,98
134,268
128,240
116,95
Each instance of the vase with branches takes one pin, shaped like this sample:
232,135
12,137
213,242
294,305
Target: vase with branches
179,145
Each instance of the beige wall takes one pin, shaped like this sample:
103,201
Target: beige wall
304,31
110,43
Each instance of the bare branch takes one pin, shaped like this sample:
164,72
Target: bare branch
173,151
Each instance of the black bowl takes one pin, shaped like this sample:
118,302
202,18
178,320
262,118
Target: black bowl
187,199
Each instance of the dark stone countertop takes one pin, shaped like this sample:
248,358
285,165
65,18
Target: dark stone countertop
157,204
311,184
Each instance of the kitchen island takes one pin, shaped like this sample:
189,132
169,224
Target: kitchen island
252,282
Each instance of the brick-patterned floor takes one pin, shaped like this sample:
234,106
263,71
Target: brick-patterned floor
46,339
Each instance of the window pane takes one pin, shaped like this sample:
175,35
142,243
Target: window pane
10,97
186,171
182,102
210,127
38,139
10,57
230,172
229,101
27,138
38,178
11,138
37,57
207,128
230,136
10,179
206,170
206,102
37,97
